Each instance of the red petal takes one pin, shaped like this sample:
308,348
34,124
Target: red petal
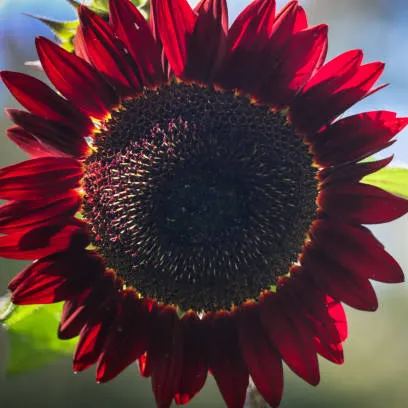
246,41
361,204
39,178
17,215
356,137
225,359
28,143
106,53
165,355
93,336
175,24
127,339
342,284
320,105
80,309
57,136
206,45
305,52
294,345
263,361
41,100
133,30
356,248
76,79
43,241
55,278
352,172
195,365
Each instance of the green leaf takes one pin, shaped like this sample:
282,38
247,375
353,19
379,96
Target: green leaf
391,179
32,333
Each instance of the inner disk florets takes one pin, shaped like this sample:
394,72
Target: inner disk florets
199,198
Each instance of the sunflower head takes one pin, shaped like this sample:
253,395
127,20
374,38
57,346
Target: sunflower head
193,196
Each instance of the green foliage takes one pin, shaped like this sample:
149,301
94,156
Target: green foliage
32,334
391,179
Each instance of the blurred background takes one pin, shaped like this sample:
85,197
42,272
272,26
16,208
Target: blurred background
376,371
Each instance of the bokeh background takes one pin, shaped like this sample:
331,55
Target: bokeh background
376,371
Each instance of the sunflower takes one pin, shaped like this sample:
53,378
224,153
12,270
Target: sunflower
193,197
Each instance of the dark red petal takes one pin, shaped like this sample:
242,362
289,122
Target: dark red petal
341,283
93,336
225,359
76,79
80,309
351,172
144,365
29,144
133,30
165,355
17,215
246,42
80,46
356,248
43,241
306,50
321,104
127,338
331,352
263,361
39,178
195,359
106,53
206,45
361,204
42,101
52,134
175,24
356,137
55,278
293,343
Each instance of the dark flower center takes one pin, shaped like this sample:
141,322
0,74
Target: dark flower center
199,198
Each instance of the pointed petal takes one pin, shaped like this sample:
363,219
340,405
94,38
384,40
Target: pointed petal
356,249
206,45
175,25
39,178
127,338
356,137
165,354
76,79
29,144
361,204
133,30
42,101
55,278
195,359
17,215
55,135
106,53
225,359
263,361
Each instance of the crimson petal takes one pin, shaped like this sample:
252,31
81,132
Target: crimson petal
106,53
361,204
175,24
225,359
133,30
76,79
42,101
127,339
289,338
263,361
356,248
55,278
195,364
57,136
